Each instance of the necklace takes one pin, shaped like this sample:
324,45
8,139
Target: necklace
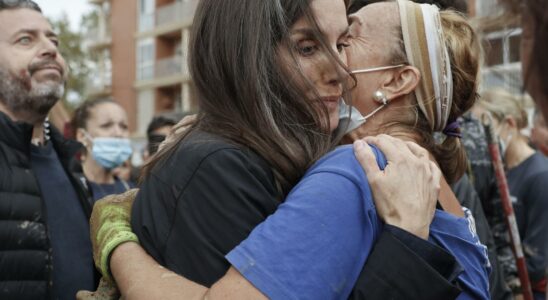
47,137
46,130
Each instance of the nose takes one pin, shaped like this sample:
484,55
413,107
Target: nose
334,73
118,132
48,48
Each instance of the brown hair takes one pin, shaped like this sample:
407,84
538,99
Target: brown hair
243,90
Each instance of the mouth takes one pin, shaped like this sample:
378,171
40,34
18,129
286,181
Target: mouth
50,68
331,102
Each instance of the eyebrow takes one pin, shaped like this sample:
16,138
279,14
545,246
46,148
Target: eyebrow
310,32
48,33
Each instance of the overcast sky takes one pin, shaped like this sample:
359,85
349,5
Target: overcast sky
73,8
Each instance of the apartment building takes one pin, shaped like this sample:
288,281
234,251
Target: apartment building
502,67
162,82
112,46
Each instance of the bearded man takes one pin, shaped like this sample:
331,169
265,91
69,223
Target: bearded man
45,252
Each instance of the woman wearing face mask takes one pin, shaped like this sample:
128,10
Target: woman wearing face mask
101,126
527,175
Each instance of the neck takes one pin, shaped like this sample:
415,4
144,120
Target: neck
36,121
518,151
361,132
38,138
95,173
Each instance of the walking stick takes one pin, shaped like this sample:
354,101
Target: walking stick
496,159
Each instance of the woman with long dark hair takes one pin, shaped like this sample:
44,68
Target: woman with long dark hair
269,75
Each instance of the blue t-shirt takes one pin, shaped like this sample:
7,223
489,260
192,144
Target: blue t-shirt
315,245
68,227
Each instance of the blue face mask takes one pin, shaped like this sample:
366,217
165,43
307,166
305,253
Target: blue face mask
110,152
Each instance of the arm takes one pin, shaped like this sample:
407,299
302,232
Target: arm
141,277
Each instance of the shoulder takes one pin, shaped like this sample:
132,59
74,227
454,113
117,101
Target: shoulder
206,157
200,148
343,162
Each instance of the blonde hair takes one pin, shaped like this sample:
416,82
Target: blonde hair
502,104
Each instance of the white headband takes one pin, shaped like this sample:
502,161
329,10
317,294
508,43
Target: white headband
426,49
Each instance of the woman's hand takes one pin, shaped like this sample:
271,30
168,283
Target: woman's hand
110,226
406,191
178,129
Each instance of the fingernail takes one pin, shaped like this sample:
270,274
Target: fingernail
359,144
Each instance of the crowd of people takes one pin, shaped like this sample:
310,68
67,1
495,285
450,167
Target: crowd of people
337,153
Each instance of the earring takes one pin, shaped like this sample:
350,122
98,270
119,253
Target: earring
380,97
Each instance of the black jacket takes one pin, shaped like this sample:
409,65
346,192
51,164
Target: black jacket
25,252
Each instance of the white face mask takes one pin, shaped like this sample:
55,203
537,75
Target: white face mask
376,69
356,119
353,120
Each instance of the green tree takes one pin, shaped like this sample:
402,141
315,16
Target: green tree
71,47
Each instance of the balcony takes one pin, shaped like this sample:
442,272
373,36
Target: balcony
97,2
165,71
168,18
178,11
169,67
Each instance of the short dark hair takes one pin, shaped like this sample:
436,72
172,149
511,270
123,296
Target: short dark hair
15,4
162,120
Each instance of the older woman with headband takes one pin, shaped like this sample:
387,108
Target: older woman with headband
317,241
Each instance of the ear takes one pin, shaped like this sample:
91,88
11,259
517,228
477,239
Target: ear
81,136
403,82
511,122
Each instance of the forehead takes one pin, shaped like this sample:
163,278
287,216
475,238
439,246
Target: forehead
107,110
374,18
329,14
15,20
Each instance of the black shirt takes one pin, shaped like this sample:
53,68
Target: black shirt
202,203
68,227
528,184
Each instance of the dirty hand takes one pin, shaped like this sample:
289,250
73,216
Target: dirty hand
106,290
178,129
406,191
110,226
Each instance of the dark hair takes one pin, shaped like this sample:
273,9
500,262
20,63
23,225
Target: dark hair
162,120
16,4
154,140
82,113
243,90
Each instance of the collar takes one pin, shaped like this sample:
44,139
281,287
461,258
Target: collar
19,134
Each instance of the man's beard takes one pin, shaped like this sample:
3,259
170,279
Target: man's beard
22,96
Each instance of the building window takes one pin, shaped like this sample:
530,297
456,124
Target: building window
145,59
502,60
146,15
